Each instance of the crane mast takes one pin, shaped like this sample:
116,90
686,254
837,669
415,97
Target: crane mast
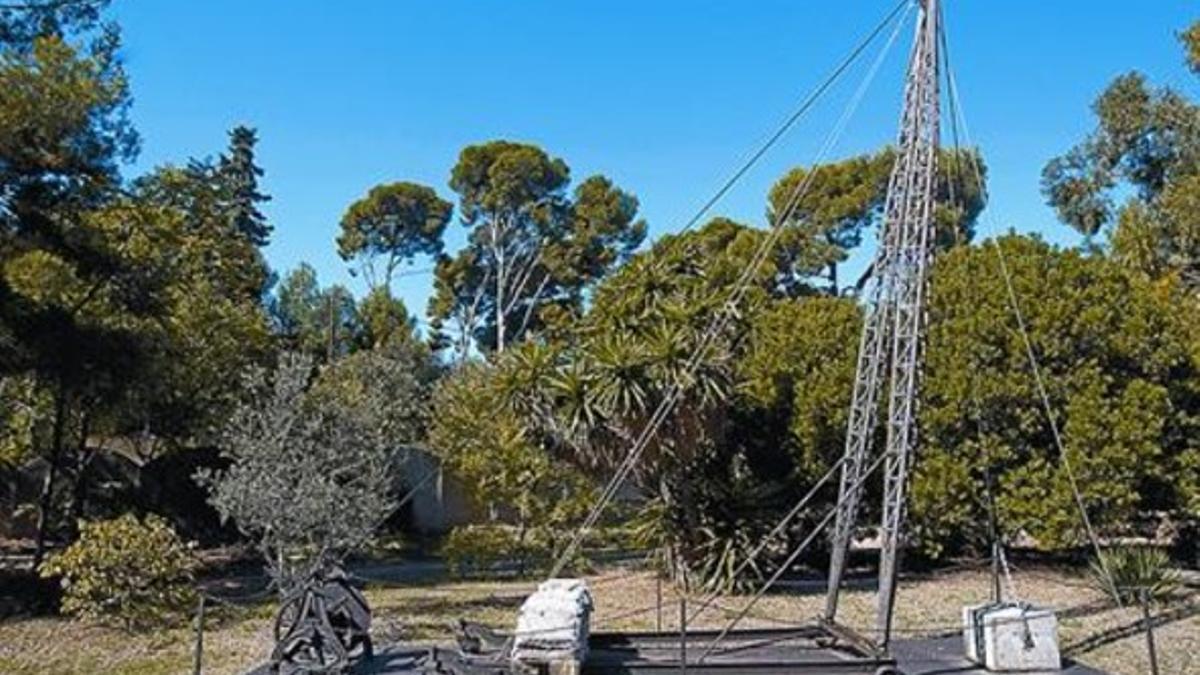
891,346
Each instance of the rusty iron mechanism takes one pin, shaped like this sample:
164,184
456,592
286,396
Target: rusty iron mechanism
323,626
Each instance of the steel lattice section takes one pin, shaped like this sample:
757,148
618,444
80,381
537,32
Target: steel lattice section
894,329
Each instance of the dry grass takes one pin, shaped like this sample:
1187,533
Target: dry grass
1090,630
238,638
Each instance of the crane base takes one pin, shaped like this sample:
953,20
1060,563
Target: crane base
813,649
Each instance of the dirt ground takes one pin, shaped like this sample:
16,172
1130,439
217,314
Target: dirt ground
237,638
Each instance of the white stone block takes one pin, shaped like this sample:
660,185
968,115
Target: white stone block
1011,637
554,622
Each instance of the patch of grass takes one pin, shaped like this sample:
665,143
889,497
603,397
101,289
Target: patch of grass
15,667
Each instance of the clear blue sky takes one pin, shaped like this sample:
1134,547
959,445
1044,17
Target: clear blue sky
665,97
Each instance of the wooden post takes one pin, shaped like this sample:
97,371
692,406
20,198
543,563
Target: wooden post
683,635
658,601
1145,596
198,653
994,535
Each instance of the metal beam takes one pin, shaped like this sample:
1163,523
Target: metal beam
894,329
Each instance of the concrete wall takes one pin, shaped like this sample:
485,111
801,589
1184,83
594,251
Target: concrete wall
441,503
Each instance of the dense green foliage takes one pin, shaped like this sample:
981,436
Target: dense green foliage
24,409
476,549
1118,359
482,437
532,250
320,322
135,573
795,381
713,476
121,310
763,416
139,316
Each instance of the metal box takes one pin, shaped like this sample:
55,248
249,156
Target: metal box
1011,637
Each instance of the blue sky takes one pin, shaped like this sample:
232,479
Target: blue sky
665,97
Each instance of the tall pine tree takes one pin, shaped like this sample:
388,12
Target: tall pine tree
239,178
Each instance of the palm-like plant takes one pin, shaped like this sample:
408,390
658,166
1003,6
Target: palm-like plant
649,341
654,359
1133,571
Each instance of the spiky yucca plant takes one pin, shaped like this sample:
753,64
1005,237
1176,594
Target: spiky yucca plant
1134,570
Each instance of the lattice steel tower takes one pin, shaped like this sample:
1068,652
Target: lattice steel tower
890,351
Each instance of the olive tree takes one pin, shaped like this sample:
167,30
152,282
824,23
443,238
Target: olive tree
310,473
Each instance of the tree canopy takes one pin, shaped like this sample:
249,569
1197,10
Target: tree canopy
390,226
1121,372
1191,43
533,250
311,469
827,208
239,176
1145,148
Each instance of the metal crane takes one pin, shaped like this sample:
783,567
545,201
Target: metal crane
890,350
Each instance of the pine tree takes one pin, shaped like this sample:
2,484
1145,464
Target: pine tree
239,179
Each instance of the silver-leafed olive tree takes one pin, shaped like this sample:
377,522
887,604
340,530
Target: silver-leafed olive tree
312,468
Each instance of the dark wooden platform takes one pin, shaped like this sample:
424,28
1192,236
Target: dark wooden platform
944,655
747,653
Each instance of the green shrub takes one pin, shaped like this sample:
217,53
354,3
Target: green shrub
125,571
1134,569
471,549
619,537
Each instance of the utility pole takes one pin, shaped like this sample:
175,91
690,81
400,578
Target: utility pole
891,346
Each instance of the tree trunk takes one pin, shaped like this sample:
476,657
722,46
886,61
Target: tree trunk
687,505
522,552
468,322
676,499
329,351
865,278
79,489
46,499
501,259
499,301
533,304
464,344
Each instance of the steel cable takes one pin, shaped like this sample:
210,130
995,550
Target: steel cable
792,557
1015,306
729,308
783,522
